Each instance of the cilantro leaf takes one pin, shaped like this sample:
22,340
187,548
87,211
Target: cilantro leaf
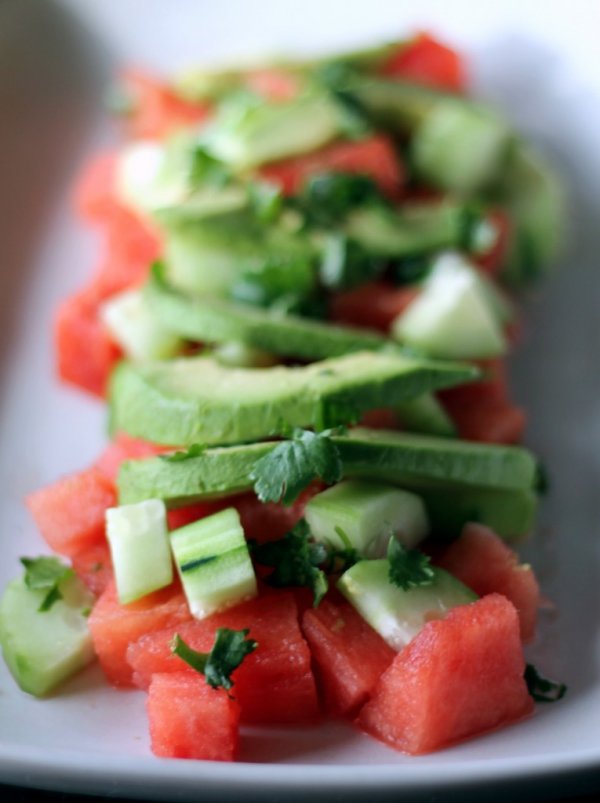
326,198
281,475
195,450
46,574
205,169
295,561
265,199
227,653
409,568
541,689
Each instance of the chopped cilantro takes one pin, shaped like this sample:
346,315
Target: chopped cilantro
281,475
46,574
295,561
195,450
327,198
227,653
206,169
409,568
541,689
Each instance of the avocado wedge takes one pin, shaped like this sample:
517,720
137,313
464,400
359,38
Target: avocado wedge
198,400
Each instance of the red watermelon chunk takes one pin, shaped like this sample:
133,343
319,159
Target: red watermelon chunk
94,567
350,656
374,305
426,61
459,677
274,685
374,157
70,513
114,626
85,352
482,561
189,719
124,447
94,195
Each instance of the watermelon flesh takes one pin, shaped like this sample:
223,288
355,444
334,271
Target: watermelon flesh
275,683
94,567
189,719
482,561
349,655
114,626
69,513
459,677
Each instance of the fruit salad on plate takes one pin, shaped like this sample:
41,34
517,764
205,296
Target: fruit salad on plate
314,491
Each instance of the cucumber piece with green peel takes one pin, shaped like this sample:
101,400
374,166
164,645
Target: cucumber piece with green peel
398,614
132,325
197,400
460,147
455,316
44,648
425,415
139,547
214,563
363,515
416,462
212,320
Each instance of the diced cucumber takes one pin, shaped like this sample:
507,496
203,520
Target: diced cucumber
453,317
363,515
139,547
460,147
261,132
398,615
425,415
214,563
44,648
136,330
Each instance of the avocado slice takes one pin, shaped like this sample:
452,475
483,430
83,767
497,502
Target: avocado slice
212,320
198,400
464,471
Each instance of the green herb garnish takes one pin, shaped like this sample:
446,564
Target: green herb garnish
227,653
46,574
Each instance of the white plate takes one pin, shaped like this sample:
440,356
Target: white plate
537,61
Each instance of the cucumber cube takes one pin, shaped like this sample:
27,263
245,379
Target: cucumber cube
136,330
398,615
425,415
139,547
44,648
214,563
460,147
454,317
364,515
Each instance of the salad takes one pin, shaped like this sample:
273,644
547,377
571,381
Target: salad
314,489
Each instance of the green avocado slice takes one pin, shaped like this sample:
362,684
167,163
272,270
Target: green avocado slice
198,400
212,320
456,474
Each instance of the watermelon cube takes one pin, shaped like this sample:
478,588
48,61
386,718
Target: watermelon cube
114,626
459,677
274,684
350,656
84,351
189,719
94,566
482,561
70,513
124,447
